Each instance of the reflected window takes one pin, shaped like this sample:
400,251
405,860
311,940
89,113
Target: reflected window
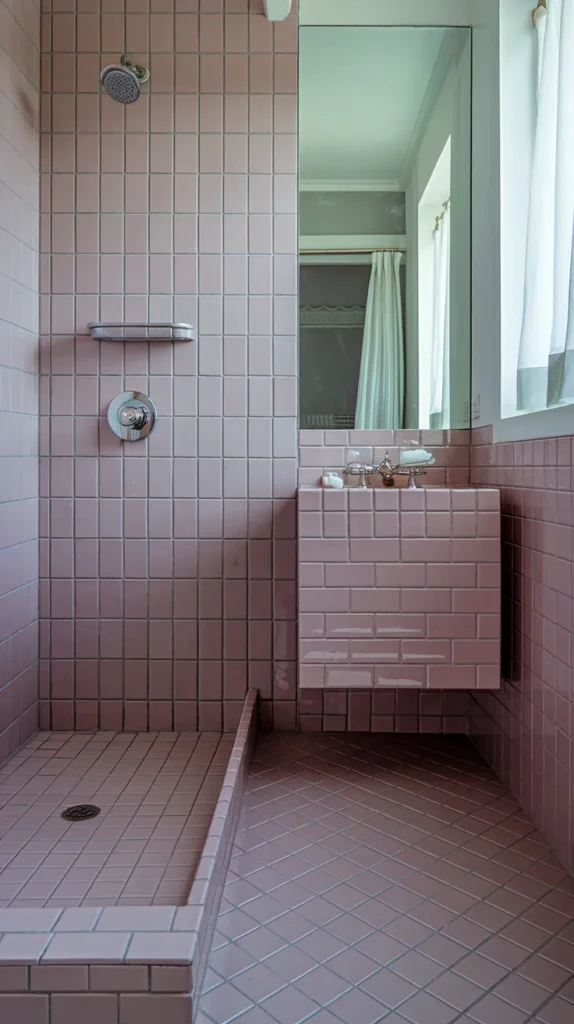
434,296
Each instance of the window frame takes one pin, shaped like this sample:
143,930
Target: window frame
517,40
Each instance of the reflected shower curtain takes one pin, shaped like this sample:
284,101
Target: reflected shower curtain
440,348
546,355
381,391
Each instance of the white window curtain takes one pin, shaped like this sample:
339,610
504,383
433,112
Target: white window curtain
381,391
546,355
440,342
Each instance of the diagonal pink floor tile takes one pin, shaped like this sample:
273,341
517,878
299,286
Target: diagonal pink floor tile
323,985
435,876
357,1007
258,982
291,1010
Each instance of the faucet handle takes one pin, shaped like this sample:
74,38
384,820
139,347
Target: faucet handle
360,469
413,472
386,468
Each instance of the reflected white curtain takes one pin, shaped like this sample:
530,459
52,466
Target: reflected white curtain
381,391
546,355
440,345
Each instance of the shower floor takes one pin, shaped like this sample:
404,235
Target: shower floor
395,879
157,793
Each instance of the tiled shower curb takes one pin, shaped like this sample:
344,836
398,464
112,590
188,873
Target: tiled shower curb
207,888
125,965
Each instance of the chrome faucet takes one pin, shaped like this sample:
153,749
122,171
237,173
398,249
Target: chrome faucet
385,468
388,471
360,469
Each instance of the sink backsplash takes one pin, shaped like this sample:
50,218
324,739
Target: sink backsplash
323,450
399,588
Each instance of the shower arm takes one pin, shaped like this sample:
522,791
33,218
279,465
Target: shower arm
141,73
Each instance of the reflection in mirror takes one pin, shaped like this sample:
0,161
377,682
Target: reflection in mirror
384,222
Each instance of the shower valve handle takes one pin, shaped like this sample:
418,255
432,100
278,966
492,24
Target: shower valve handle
133,417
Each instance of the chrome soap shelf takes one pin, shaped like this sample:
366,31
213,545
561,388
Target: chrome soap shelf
107,331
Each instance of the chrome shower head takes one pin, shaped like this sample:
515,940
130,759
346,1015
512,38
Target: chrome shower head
123,81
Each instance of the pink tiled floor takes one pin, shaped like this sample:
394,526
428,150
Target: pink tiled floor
157,793
388,878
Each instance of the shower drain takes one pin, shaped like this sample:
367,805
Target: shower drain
80,812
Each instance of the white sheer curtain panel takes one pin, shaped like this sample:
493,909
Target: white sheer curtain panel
381,391
546,355
440,347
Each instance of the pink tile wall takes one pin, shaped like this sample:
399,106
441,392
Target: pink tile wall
384,710
169,565
399,588
526,731
19,224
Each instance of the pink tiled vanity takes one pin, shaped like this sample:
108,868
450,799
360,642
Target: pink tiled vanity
399,588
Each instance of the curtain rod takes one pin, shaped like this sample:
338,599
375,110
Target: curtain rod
344,252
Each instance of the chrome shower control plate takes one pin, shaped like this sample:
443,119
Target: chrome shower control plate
132,415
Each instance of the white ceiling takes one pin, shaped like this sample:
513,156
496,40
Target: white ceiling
360,94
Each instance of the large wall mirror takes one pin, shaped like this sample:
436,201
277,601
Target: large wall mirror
384,227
